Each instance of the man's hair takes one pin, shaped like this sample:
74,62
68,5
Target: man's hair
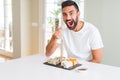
70,3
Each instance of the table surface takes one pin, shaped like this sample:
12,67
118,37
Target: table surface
32,68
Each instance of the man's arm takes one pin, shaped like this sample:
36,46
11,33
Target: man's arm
97,55
53,45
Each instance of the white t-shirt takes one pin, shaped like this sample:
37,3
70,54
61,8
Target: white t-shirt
79,44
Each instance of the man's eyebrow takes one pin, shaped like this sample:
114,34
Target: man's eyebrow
68,12
71,11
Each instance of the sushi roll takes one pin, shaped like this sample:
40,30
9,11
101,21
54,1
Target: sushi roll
66,64
73,60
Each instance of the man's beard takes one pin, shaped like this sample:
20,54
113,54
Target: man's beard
71,24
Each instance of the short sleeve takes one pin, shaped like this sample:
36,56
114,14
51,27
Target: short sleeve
96,40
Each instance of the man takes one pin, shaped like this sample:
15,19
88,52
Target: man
81,39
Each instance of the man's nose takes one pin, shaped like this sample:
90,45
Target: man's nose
68,17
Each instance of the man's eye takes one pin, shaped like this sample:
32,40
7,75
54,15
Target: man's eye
64,14
71,13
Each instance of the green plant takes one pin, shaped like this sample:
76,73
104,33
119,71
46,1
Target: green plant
54,21
56,12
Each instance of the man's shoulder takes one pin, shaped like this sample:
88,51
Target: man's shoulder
90,26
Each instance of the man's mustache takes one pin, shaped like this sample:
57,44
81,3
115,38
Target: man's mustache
69,20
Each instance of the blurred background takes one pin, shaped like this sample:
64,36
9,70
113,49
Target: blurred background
27,25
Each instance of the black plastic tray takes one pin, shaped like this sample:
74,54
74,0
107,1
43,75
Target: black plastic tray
59,66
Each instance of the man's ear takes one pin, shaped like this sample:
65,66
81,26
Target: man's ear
78,13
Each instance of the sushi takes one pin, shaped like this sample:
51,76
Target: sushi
63,62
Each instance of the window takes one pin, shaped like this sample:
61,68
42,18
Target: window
53,16
6,26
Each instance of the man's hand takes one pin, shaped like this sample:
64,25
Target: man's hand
58,34
53,45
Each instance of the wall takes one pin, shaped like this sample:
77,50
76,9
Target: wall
21,28
105,15
25,28
27,38
38,28
35,28
16,28
111,23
